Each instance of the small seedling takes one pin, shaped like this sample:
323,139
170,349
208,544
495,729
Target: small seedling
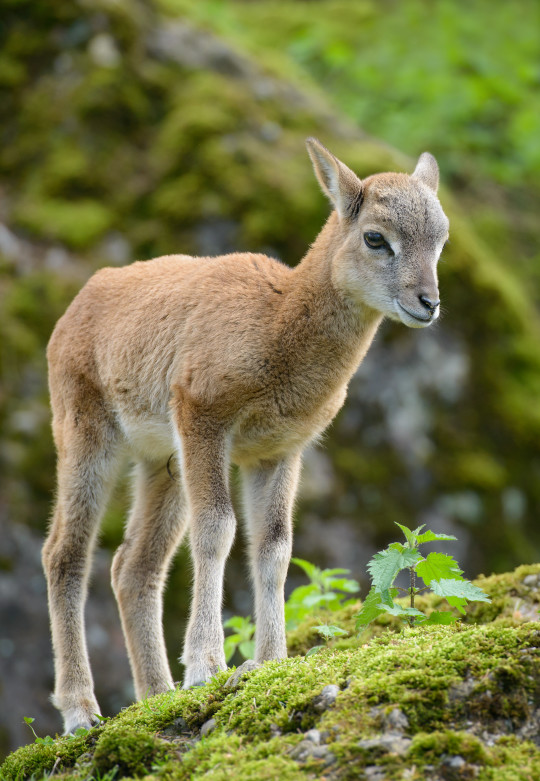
46,740
438,571
328,632
324,591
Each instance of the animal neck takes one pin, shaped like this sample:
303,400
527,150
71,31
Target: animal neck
323,316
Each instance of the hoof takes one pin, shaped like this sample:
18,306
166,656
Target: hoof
80,718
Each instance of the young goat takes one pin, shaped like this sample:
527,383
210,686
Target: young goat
233,359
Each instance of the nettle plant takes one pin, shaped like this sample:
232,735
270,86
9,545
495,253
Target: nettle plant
439,572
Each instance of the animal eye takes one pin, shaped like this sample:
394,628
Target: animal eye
375,240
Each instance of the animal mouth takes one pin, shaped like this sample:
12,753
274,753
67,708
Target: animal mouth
427,318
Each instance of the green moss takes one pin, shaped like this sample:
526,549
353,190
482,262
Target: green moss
419,671
130,750
430,747
36,759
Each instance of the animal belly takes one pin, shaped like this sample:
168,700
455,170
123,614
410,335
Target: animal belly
148,438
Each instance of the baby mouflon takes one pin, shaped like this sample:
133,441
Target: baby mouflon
232,359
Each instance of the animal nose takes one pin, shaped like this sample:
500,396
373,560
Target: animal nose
428,303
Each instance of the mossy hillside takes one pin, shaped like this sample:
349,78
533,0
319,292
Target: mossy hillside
259,726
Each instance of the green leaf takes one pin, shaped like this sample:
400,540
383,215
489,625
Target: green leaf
458,603
409,534
384,566
310,569
320,599
440,617
236,622
371,608
330,631
397,546
314,650
436,566
463,589
28,719
388,596
47,740
329,573
345,584
230,646
430,536
398,610
247,649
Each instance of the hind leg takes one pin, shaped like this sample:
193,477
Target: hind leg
86,462
139,571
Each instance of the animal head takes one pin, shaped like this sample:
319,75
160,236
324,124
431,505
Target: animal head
392,230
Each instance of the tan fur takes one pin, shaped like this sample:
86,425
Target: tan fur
217,360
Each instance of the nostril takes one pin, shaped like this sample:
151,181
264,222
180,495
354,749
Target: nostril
429,303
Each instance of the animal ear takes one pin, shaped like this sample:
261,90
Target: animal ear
427,171
339,183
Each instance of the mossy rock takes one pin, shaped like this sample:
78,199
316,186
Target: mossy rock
435,702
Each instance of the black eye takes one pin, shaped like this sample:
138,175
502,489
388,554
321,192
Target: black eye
375,240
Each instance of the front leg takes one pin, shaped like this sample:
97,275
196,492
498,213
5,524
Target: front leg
205,467
269,492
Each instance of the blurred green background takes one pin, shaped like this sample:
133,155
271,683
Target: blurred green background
132,129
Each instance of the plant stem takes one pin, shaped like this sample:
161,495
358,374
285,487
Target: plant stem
412,590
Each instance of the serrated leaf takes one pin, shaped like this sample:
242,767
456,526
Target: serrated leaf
440,617
388,596
409,535
458,603
397,546
463,589
371,608
436,566
384,566
430,536
398,610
